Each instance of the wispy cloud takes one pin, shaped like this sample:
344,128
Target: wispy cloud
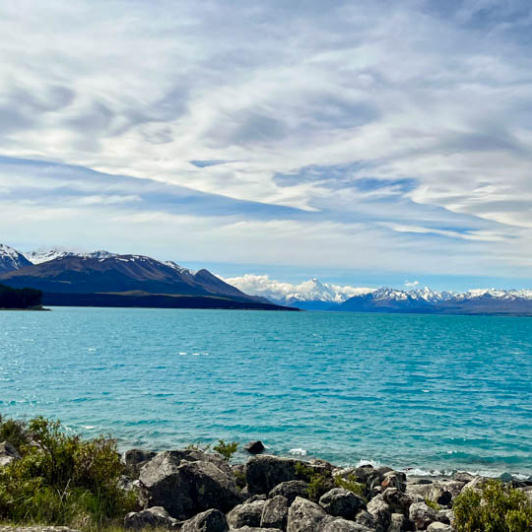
356,134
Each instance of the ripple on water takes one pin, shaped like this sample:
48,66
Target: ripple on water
432,392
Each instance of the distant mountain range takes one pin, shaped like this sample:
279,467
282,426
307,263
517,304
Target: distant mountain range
107,279
102,278
314,295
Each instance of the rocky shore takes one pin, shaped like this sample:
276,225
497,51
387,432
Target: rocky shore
194,490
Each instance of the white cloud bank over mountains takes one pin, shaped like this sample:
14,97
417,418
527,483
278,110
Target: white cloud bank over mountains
287,293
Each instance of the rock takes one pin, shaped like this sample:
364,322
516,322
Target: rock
462,476
155,517
441,491
136,458
248,513
185,488
440,527
255,447
398,523
365,518
331,524
8,454
340,502
445,516
419,480
275,513
209,521
254,529
421,515
394,479
264,472
476,484
239,472
305,516
381,512
36,528
290,490
398,501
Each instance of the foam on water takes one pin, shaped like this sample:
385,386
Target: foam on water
434,393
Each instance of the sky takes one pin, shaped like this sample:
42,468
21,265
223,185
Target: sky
370,143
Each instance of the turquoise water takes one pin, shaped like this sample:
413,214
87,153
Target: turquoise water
431,392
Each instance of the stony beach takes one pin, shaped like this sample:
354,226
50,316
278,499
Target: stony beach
198,490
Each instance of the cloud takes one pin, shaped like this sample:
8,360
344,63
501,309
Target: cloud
402,128
411,284
311,290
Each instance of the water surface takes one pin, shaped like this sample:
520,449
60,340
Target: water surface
433,392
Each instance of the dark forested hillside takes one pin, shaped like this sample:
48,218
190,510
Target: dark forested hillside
23,298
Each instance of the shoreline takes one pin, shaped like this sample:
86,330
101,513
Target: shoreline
214,489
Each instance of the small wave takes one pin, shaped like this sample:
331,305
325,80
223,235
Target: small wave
298,452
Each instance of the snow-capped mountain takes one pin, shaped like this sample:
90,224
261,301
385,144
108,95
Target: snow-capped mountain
45,255
314,295
485,301
311,294
11,259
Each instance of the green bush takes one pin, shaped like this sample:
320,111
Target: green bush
495,508
63,480
350,483
318,481
14,432
226,449
433,505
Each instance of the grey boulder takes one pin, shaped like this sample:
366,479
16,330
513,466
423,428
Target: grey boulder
186,488
290,490
398,523
155,517
340,502
275,513
209,521
8,454
381,512
331,524
246,514
422,515
305,516
255,447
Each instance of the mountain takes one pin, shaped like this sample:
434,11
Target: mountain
315,295
308,295
498,302
11,259
68,278
40,256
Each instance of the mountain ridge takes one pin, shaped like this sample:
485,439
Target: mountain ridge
108,279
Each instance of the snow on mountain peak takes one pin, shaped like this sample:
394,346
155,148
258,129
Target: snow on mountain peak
45,255
288,293
11,259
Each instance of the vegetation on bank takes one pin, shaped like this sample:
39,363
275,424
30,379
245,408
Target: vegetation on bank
19,299
61,479
495,507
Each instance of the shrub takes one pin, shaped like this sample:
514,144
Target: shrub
226,449
495,508
433,505
350,483
63,480
14,432
318,482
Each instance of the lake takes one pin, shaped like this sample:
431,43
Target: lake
421,391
